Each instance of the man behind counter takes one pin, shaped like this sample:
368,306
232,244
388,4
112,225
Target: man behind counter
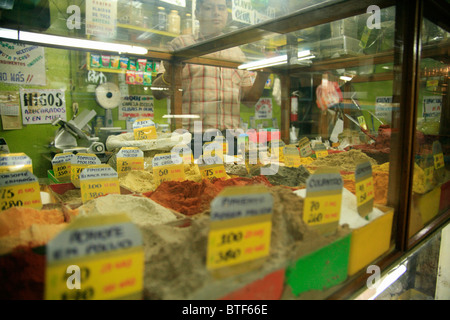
213,93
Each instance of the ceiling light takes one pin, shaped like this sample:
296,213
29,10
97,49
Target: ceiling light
60,41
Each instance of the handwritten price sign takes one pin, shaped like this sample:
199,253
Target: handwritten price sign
212,167
239,244
110,268
364,188
241,223
129,158
62,166
322,210
322,206
167,167
98,180
144,129
19,189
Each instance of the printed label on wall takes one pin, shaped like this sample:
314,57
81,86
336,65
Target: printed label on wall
22,64
42,106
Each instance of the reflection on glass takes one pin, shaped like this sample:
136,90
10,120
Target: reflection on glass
431,175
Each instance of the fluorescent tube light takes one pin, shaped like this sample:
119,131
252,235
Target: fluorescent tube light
270,62
181,116
345,78
70,42
9,34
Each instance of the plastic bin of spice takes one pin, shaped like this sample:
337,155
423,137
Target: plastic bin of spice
268,288
427,204
58,190
370,241
321,269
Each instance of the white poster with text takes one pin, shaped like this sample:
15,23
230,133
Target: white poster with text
42,106
136,106
22,64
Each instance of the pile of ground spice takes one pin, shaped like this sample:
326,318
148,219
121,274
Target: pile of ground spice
282,175
175,257
137,181
191,198
346,161
16,219
22,275
140,210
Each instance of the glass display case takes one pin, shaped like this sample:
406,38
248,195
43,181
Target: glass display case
355,81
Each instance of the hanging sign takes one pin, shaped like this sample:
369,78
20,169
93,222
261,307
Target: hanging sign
322,206
240,229
19,189
144,129
98,180
263,108
95,258
22,64
42,106
432,106
61,164
167,167
129,158
364,188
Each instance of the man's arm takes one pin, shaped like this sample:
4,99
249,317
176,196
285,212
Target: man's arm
162,83
251,94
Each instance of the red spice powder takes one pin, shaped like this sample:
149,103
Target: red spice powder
190,198
22,275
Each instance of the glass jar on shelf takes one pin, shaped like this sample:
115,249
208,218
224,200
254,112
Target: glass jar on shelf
174,22
161,19
187,24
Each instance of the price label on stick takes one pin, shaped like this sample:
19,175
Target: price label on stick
79,162
15,162
129,158
322,206
211,167
291,156
240,229
95,258
61,164
364,188
167,167
98,180
144,129
305,147
19,189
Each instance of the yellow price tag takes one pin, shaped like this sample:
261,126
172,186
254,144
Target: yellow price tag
62,170
322,209
102,277
91,189
128,164
321,153
364,191
173,172
438,161
213,171
230,246
147,133
75,171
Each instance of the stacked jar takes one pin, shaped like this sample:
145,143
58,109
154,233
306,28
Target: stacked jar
174,22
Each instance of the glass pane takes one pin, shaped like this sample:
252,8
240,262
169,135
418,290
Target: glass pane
432,151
